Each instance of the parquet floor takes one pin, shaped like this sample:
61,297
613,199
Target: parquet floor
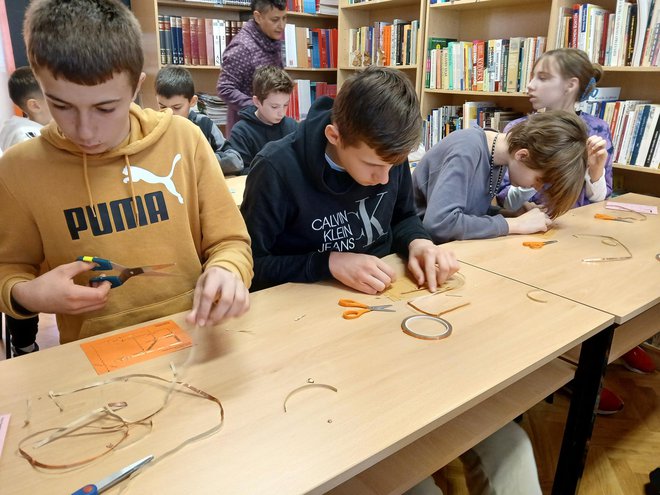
625,447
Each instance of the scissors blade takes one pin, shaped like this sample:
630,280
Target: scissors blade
153,268
382,308
114,478
549,242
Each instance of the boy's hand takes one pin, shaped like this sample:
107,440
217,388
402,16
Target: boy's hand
219,294
596,157
55,292
363,272
430,264
535,220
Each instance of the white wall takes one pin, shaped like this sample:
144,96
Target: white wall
6,106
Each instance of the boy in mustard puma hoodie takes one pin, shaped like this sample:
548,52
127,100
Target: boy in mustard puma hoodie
109,179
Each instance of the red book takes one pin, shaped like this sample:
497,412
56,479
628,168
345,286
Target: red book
201,40
480,47
576,26
194,41
323,52
187,49
210,59
334,41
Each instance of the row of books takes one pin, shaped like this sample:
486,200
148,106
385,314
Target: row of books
498,65
194,40
629,36
384,43
327,7
237,3
485,114
304,94
310,47
635,128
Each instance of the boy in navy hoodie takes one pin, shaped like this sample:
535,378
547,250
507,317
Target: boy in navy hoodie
336,195
175,89
266,120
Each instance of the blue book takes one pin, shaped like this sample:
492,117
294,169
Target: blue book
316,57
309,6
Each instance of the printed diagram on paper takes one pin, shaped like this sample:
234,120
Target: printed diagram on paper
135,346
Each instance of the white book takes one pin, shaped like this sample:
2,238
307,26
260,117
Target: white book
643,15
618,32
290,45
304,97
649,129
433,69
219,41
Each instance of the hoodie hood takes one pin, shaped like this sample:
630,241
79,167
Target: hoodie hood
147,127
310,150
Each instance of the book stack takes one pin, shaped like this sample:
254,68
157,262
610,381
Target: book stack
383,43
498,65
187,40
304,94
310,47
485,114
213,107
629,36
329,7
304,6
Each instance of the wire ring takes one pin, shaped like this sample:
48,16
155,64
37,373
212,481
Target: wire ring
442,321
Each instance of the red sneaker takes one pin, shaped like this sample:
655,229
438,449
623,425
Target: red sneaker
638,360
609,402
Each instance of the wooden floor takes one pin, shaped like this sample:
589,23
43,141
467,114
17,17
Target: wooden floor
625,447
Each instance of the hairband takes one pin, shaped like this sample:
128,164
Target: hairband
589,90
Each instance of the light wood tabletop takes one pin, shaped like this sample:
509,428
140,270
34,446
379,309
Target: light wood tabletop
392,389
236,186
623,288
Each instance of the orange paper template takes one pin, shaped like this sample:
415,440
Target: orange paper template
144,343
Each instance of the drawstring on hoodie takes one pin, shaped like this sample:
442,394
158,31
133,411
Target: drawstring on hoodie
92,205
130,181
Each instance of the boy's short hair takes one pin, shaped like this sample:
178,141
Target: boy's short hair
269,79
265,5
175,81
86,42
22,86
557,145
379,107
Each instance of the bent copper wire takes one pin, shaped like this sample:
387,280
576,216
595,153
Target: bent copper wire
609,241
408,331
309,384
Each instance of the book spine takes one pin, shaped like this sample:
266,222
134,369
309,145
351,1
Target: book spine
185,31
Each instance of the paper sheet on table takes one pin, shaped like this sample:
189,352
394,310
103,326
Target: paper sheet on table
4,425
613,205
135,346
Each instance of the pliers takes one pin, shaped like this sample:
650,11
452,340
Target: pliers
124,272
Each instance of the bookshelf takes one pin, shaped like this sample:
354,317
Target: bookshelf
492,19
205,76
356,15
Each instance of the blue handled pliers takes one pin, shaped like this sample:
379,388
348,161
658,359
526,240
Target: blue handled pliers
113,479
124,272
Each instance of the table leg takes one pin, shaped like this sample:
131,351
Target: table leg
582,412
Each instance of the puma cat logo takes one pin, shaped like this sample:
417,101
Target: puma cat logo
138,174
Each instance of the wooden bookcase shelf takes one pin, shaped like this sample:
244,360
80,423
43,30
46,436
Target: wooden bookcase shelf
205,76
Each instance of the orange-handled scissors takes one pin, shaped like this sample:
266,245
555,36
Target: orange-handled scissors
537,244
603,216
351,314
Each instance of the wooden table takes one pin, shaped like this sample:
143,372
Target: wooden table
236,186
628,289
394,391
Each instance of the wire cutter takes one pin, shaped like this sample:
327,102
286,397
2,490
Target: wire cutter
603,216
351,314
536,244
124,272
113,479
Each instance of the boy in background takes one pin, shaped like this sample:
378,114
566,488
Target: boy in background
266,120
175,90
26,94
332,198
109,179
